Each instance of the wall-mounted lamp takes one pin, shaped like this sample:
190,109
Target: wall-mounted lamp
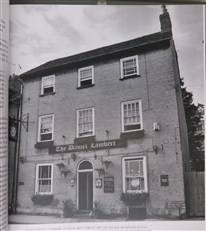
156,126
72,182
155,148
73,156
107,132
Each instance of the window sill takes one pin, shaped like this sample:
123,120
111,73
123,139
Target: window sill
45,144
87,86
42,95
129,77
132,134
83,140
43,194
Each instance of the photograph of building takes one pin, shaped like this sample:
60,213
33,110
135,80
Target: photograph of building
106,132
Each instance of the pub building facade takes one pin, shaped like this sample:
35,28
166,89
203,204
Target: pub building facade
106,126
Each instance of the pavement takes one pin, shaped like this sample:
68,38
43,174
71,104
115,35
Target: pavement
37,219
48,219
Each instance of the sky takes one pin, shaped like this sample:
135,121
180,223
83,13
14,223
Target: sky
41,33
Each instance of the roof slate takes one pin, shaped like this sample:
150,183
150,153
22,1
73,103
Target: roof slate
100,52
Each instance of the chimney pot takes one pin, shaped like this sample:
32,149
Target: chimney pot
165,21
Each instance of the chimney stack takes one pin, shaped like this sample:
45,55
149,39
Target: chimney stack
165,21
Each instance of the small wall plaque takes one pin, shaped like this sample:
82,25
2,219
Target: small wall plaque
164,180
98,183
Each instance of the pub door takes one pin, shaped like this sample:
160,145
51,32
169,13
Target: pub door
85,191
85,188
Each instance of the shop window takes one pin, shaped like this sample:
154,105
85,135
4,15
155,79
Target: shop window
86,76
134,174
44,179
48,85
46,128
85,122
129,67
131,116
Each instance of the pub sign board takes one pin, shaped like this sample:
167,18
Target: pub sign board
108,184
164,180
107,144
13,129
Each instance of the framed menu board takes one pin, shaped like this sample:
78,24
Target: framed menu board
108,184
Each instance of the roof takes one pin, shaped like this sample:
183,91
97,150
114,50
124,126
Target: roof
61,63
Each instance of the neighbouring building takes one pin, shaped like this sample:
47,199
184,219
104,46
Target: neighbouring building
15,96
106,126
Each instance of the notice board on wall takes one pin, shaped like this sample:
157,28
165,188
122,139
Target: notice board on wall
108,184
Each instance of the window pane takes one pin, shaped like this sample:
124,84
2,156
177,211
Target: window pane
44,186
134,167
86,82
40,172
46,123
142,184
86,73
45,171
135,184
48,81
48,90
46,137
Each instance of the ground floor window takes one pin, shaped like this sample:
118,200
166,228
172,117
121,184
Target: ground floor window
134,174
44,179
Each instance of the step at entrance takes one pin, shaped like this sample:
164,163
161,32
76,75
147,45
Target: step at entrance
82,214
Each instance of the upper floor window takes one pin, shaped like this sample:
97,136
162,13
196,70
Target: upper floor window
131,116
129,66
46,128
85,122
48,84
134,175
85,76
44,179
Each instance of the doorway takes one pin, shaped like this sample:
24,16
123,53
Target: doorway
85,186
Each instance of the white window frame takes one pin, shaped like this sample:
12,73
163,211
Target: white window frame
137,66
124,159
82,69
93,117
140,112
39,128
42,84
37,179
